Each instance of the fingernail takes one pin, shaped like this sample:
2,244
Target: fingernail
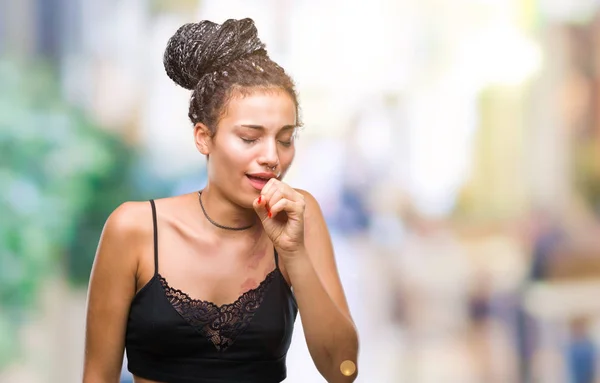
259,198
270,215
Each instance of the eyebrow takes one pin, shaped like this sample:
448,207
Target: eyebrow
260,127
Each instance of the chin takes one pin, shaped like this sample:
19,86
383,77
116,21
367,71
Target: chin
247,203
246,197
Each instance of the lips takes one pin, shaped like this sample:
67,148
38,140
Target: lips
258,178
257,182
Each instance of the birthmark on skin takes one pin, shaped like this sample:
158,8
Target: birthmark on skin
249,284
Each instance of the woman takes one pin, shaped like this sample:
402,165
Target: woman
198,287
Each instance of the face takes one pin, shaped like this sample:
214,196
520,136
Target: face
254,141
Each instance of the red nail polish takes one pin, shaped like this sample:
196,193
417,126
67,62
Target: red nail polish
259,198
270,215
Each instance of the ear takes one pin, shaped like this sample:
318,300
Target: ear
203,138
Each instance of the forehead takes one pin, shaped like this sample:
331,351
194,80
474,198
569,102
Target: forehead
270,108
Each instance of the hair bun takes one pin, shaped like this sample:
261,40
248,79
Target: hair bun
200,48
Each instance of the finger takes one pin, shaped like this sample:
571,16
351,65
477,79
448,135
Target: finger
275,197
285,190
260,207
286,205
268,186
271,188
289,192
280,206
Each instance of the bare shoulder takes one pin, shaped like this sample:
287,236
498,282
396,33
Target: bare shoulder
315,227
304,193
126,232
311,203
313,214
130,220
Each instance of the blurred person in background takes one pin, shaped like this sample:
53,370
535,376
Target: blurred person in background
198,287
581,352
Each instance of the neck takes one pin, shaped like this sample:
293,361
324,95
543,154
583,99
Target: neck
225,212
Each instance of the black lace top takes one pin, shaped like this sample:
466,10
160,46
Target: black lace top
173,338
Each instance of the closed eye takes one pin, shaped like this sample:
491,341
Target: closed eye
248,141
290,140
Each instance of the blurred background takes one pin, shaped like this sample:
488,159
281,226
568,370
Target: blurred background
454,147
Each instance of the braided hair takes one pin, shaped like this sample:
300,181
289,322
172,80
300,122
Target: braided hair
218,61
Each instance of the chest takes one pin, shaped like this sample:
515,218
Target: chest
258,324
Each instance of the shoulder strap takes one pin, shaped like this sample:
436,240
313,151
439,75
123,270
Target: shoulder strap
156,236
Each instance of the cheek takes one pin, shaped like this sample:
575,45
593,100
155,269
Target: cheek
233,152
287,157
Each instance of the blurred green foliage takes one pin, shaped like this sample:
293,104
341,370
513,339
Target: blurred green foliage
60,177
586,171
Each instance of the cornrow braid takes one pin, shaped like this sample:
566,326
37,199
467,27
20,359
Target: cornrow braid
218,61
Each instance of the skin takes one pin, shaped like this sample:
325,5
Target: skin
255,134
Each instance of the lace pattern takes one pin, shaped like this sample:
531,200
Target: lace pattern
220,324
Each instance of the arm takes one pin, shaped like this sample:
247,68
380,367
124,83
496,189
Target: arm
112,287
329,330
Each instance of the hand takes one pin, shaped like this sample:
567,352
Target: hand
281,211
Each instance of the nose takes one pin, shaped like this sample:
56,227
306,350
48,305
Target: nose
269,157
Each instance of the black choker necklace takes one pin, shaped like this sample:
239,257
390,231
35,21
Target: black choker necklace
216,224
